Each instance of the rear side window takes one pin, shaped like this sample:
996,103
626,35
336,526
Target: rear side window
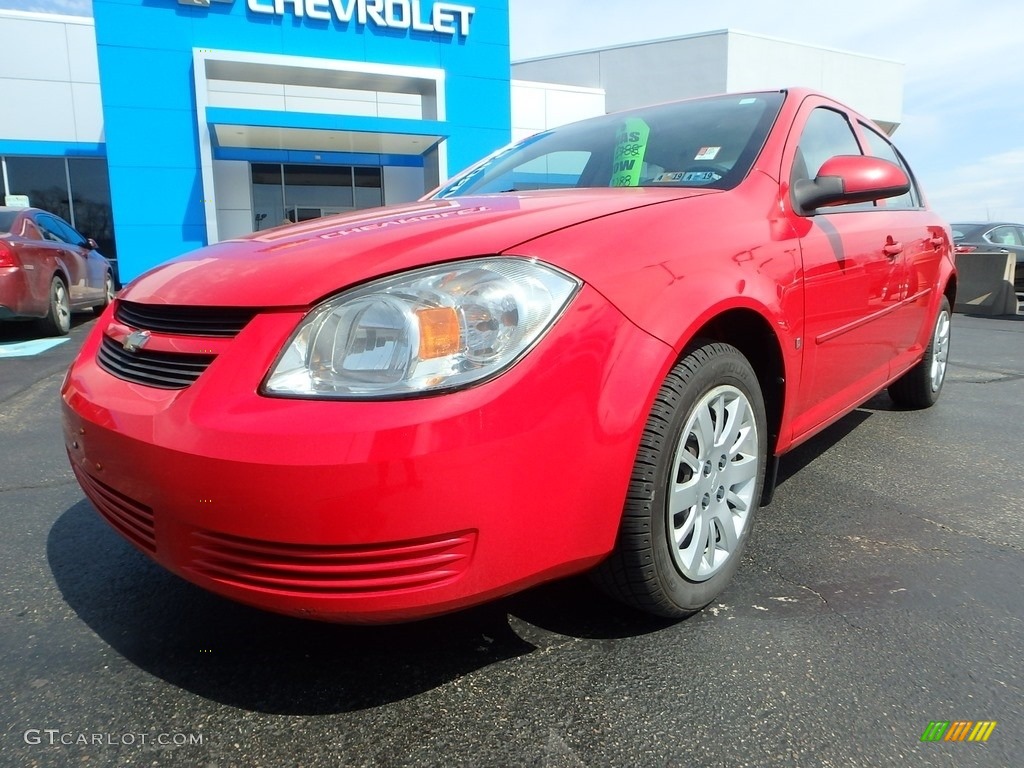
1004,236
29,230
879,146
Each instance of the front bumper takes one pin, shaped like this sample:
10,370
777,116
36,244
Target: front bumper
369,511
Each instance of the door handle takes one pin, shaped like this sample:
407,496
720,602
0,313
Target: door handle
892,250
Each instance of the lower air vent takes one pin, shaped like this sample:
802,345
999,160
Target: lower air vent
329,570
132,520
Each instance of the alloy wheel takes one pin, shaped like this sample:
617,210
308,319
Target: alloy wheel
711,492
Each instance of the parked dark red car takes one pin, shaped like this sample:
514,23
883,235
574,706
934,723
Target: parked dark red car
48,270
586,352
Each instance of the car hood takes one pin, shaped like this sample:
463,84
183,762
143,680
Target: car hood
298,264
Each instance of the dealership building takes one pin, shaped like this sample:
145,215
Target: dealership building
162,126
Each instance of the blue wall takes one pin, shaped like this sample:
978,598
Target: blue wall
145,59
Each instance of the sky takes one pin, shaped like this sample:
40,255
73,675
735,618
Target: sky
963,110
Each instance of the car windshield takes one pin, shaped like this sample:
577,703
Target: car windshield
7,220
709,142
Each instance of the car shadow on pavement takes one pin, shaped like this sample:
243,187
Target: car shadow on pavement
260,661
249,658
27,330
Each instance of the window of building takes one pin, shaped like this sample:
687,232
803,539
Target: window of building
44,180
318,187
369,187
76,189
92,213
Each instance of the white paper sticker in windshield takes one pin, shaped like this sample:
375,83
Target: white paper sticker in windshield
630,148
669,178
707,153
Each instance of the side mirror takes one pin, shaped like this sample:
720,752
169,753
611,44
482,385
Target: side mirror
846,179
92,244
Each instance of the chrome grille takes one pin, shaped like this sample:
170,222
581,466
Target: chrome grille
162,370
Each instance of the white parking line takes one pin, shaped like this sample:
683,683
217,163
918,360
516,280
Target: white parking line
28,348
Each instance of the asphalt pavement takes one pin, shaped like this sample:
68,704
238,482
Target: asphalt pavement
881,593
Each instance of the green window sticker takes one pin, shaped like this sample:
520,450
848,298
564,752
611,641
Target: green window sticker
630,148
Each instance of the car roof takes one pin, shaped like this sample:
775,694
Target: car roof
985,224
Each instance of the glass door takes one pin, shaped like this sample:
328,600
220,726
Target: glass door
288,193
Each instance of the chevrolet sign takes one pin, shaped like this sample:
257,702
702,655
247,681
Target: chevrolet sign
443,18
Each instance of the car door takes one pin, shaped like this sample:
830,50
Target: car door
914,230
853,270
58,236
93,264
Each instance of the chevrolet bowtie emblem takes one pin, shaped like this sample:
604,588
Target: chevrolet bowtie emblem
135,341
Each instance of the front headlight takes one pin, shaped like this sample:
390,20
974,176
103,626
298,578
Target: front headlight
422,331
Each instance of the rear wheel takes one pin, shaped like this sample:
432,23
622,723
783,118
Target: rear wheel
58,316
695,487
921,386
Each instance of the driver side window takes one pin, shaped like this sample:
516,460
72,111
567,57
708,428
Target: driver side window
826,133
47,226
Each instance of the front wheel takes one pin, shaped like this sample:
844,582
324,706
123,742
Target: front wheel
108,295
695,487
921,386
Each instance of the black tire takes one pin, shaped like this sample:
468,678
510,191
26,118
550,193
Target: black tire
660,572
108,295
57,321
921,386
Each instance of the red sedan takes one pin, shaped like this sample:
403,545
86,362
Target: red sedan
48,270
585,353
